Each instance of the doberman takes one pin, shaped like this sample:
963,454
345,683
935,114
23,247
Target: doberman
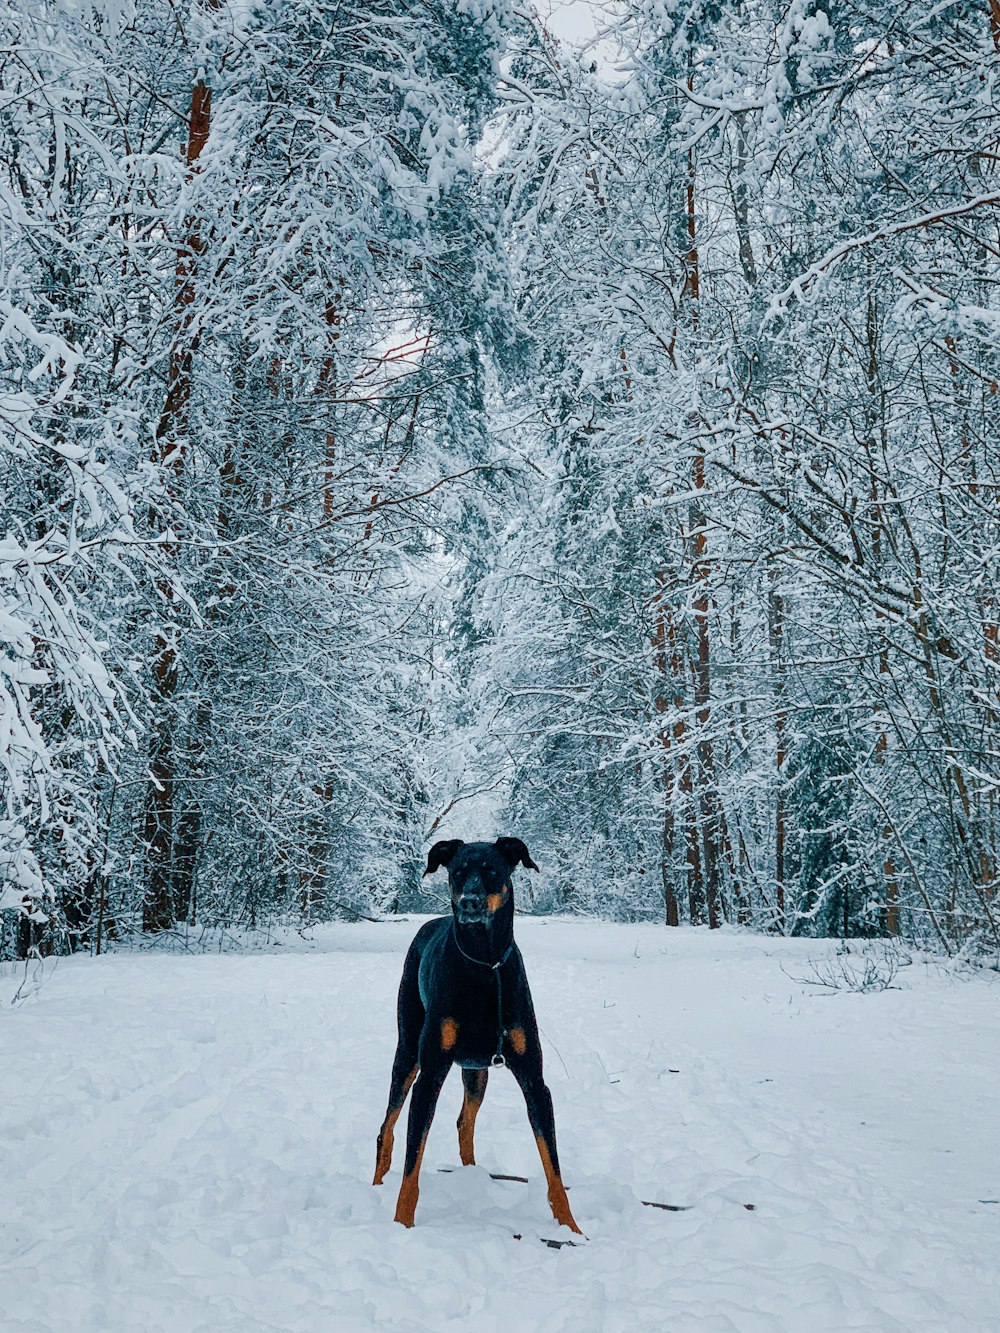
464,999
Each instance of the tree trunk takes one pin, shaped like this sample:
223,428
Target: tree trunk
776,634
314,875
170,450
666,661
704,862
188,836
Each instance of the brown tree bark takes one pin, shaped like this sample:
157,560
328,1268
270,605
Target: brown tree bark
665,663
706,854
170,449
776,634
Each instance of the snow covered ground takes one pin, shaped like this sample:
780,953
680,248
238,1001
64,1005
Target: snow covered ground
186,1143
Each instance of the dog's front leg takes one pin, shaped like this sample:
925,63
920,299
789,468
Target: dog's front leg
434,1068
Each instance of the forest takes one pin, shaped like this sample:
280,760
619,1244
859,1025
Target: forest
415,424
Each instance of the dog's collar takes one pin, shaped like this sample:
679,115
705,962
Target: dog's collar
492,966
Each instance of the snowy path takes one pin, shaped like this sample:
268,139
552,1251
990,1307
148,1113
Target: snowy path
186,1143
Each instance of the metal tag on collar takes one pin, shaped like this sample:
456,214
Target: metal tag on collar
498,1061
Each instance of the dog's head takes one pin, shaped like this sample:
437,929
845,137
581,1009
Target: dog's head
479,875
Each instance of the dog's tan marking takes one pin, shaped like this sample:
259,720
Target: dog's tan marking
449,1033
518,1040
383,1158
558,1201
406,1204
494,901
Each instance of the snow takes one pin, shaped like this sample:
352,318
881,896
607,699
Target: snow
187,1144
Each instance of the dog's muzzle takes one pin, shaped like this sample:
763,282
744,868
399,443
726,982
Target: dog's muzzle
471,913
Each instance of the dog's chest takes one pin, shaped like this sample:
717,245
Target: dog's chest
475,1021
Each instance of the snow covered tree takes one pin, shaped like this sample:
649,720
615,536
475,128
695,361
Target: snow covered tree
407,419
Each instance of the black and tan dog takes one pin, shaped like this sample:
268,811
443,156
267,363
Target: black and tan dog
464,999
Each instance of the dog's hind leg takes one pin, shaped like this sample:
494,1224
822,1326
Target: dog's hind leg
404,1071
539,1103
410,1017
474,1085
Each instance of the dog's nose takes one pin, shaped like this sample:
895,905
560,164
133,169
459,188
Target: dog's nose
471,902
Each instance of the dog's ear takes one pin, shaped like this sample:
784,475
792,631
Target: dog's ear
515,853
440,854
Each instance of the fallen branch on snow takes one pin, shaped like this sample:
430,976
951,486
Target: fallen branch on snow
646,1203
